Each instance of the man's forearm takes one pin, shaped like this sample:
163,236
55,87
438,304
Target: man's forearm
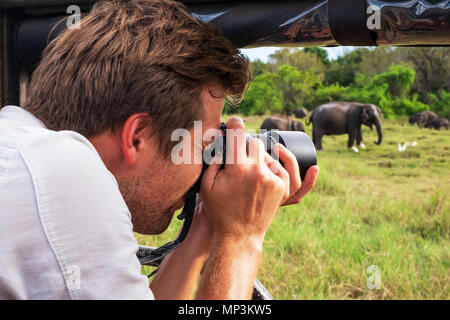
179,272
231,269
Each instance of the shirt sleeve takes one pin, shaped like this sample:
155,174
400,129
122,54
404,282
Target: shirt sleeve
85,219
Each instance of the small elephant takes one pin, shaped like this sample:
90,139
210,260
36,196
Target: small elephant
282,123
344,117
437,124
423,118
300,113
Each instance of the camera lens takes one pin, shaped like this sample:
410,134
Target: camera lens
298,143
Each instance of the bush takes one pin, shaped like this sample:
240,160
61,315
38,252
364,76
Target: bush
399,80
404,106
440,103
289,88
279,92
325,94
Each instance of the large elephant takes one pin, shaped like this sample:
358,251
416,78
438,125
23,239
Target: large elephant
345,117
282,123
437,124
300,113
423,118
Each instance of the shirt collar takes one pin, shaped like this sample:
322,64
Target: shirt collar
21,115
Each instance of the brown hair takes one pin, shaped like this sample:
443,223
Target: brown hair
130,57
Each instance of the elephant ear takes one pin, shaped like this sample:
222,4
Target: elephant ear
379,110
364,115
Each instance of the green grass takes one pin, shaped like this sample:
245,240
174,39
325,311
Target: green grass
376,207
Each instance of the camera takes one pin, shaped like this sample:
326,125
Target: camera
297,142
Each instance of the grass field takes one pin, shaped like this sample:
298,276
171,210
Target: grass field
376,207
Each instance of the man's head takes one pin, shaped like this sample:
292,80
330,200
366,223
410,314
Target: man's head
133,73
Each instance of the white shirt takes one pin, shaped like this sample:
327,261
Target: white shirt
65,230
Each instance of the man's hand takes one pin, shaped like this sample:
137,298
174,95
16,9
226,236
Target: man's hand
298,190
240,202
242,199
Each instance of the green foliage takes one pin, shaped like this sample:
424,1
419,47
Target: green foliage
399,80
403,106
441,103
295,86
258,67
299,59
344,69
279,92
322,54
298,78
324,94
262,97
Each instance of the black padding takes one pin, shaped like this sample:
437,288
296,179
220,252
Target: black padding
33,35
348,22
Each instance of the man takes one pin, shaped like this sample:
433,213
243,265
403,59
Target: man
87,161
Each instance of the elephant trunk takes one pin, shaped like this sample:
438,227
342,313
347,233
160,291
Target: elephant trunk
379,131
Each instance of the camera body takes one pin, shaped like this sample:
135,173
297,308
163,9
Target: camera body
297,142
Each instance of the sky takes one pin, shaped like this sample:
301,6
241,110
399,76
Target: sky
264,52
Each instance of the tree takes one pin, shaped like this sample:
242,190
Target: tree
299,59
296,87
262,96
321,53
258,67
431,65
379,60
399,79
280,92
344,69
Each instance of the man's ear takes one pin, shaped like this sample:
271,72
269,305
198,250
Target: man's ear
134,136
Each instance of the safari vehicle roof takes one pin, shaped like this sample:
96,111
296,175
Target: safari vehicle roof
26,25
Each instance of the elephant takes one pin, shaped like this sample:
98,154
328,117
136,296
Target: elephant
437,124
423,118
345,117
300,113
282,123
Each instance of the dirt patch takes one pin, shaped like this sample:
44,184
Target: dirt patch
385,164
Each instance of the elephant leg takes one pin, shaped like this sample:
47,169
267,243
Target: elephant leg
359,139
351,137
318,142
314,137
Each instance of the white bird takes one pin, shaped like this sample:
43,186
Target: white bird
401,147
